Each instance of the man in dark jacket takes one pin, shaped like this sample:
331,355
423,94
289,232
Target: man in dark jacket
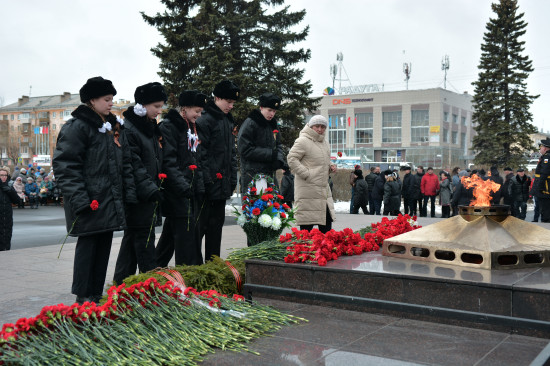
378,191
495,177
416,196
370,179
360,194
541,185
506,189
287,186
184,188
219,159
259,142
520,185
8,195
137,248
408,182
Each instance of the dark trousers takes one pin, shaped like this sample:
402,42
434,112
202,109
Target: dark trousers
178,236
406,205
377,207
21,203
544,204
418,203
351,202
322,228
33,201
412,206
371,204
536,210
446,211
355,209
519,209
135,251
91,258
211,222
432,206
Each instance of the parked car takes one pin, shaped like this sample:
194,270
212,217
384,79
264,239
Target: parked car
532,164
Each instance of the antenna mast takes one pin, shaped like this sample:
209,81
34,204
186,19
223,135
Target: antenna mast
445,64
333,71
407,69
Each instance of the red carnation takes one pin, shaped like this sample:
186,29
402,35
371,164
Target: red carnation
256,211
162,176
265,197
219,176
94,205
322,261
253,190
286,207
283,215
276,205
275,131
192,167
269,189
280,197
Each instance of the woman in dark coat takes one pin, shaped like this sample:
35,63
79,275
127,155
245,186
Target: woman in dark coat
360,194
184,188
392,195
141,131
462,196
7,197
93,169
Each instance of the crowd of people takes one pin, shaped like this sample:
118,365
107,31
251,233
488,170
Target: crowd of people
411,194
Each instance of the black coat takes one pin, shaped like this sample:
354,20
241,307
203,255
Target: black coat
7,197
541,185
182,184
370,179
259,150
218,152
360,193
496,196
392,196
506,189
415,192
287,187
378,189
462,196
143,137
89,165
520,188
408,183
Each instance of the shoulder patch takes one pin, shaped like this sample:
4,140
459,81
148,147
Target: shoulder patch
545,161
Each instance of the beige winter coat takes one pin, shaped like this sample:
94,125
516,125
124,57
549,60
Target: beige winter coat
309,160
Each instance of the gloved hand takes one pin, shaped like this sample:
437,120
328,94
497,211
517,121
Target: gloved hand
157,197
274,155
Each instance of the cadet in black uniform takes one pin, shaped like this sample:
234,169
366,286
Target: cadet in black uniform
541,185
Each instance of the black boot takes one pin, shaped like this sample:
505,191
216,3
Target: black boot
83,299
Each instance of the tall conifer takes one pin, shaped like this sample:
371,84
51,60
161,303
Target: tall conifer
501,100
252,42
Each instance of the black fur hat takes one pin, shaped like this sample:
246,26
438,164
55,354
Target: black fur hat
96,87
227,89
149,93
545,142
358,173
270,100
192,98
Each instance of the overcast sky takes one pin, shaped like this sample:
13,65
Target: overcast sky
55,45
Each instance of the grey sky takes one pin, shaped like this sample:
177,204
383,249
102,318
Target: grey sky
56,45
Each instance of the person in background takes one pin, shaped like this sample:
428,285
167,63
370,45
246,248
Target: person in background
506,189
56,193
454,183
361,193
218,157
378,191
309,159
8,196
287,186
392,194
541,185
93,168
45,190
31,190
406,191
462,196
495,177
137,249
15,174
520,185
416,193
445,194
352,178
536,209
429,186
19,187
370,179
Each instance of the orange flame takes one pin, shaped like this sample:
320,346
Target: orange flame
482,189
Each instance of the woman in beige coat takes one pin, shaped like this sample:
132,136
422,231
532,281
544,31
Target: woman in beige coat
309,159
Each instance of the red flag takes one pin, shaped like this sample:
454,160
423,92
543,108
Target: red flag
349,121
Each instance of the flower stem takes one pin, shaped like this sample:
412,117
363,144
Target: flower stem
66,236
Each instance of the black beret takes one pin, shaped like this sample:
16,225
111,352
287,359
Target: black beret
192,98
227,89
545,142
96,87
270,100
520,170
149,93
358,173
508,169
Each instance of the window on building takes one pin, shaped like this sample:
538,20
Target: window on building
12,117
363,128
455,118
25,115
446,116
463,121
5,117
25,139
445,135
24,150
391,126
337,132
463,140
454,137
54,126
66,113
54,114
420,126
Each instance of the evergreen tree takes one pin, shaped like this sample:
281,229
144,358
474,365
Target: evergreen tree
501,100
247,41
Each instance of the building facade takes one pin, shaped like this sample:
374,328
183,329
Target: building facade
29,127
431,127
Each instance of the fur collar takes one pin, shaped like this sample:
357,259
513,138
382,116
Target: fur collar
311,134
87,114
259,118
145,125
175,117
216,112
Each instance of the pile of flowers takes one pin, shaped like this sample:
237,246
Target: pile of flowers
139,324
263,214
316,247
